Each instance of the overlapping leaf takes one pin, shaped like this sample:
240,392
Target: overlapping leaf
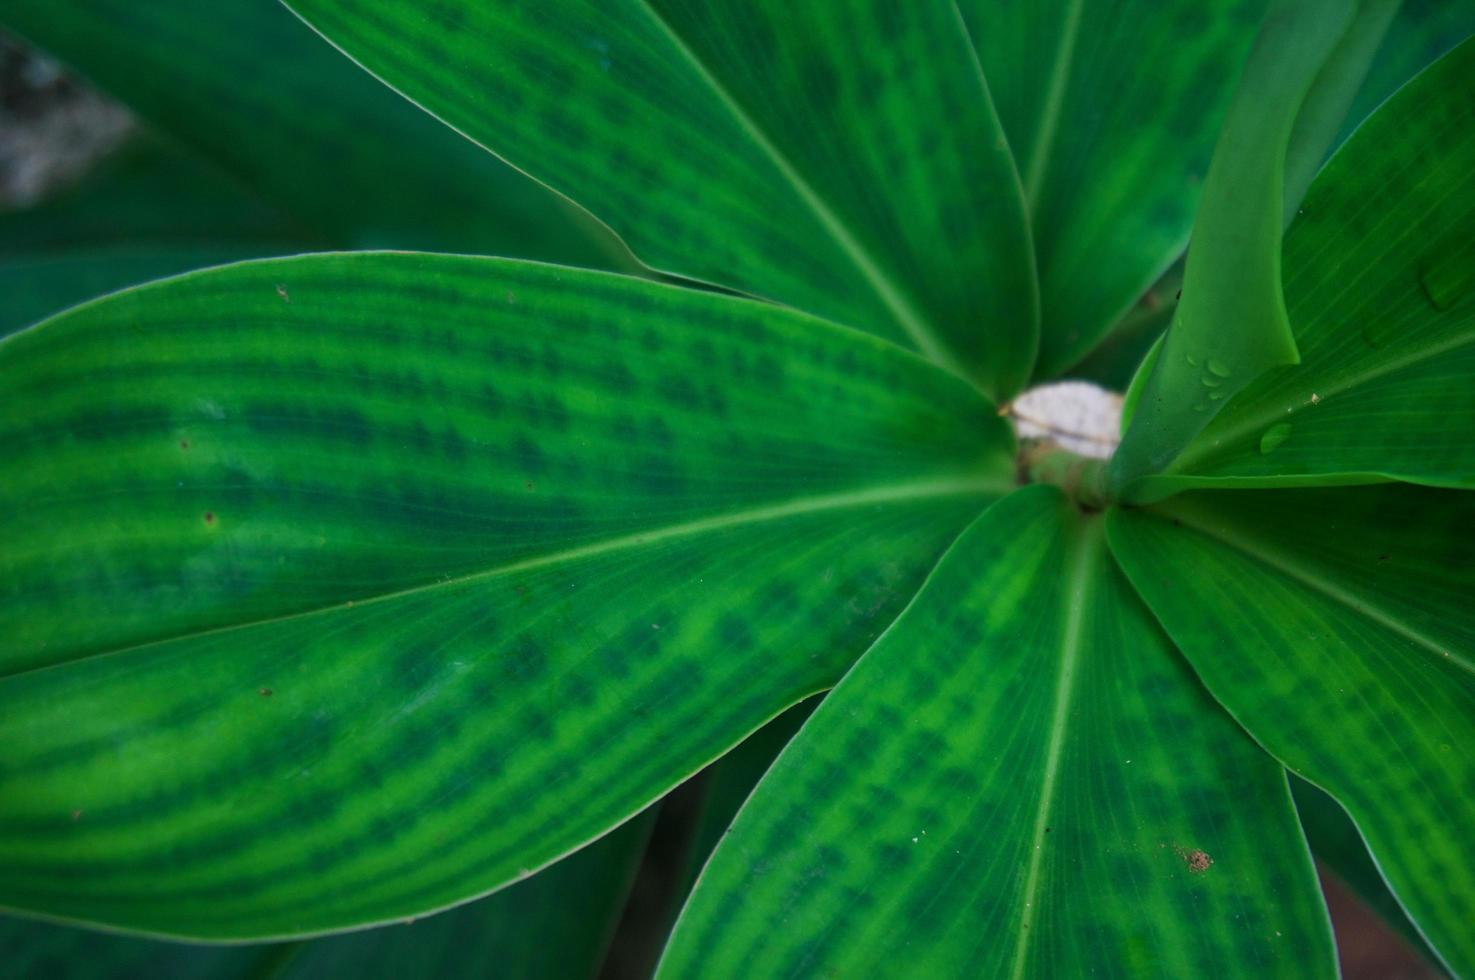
242,83
843,158
1380,287
1020,779
1336,625
555,924
399,576
1112,110
1231,325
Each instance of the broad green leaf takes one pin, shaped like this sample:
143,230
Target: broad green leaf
1380,284
1339,847
1336,625
366,583
555,924
1231,324
843,157
245,85
1112,110
1021,778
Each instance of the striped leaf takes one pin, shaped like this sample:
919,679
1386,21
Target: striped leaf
245,86
843,158
555,924
1336,626
1020,779
1380,284
1112,110
341,588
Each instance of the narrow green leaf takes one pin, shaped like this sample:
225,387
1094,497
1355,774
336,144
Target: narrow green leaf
1020,779
1231,325
1112,110
1421,33
555,924
1336,625
242,83
1380,282
843,158
352,575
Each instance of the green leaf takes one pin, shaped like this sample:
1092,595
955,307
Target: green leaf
366,583
1421,33
242,83
1020,779
1339,847
1380,283
1231,324
148,211
1112,110
843,158
555,924
1336,625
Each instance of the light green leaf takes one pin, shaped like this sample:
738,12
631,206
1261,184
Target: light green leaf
1020,779
843,158
1231,325
555,924
246,86
1112,110
365,583
1336,625
1380,283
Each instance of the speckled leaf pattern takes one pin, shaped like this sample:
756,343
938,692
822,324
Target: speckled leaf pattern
1021,778
840,157
1231,325
1380,285
1336,626
245,86
555,924
1112,108
402,575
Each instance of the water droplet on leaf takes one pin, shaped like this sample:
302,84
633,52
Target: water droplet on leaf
1274,436
1218,367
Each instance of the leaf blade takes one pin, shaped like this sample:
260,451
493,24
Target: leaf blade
1371,629
307,493
835,197
1381,393
975,759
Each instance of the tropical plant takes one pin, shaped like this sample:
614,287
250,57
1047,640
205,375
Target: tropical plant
343,588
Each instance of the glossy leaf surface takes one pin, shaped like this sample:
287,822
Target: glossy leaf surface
1231,324
1112,109
1380,283
1336,626
400,575
843,158
1020,779
555,924
243,84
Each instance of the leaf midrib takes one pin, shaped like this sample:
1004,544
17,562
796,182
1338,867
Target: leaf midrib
1261,551
917,326
1049,124
1079,592
799,506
